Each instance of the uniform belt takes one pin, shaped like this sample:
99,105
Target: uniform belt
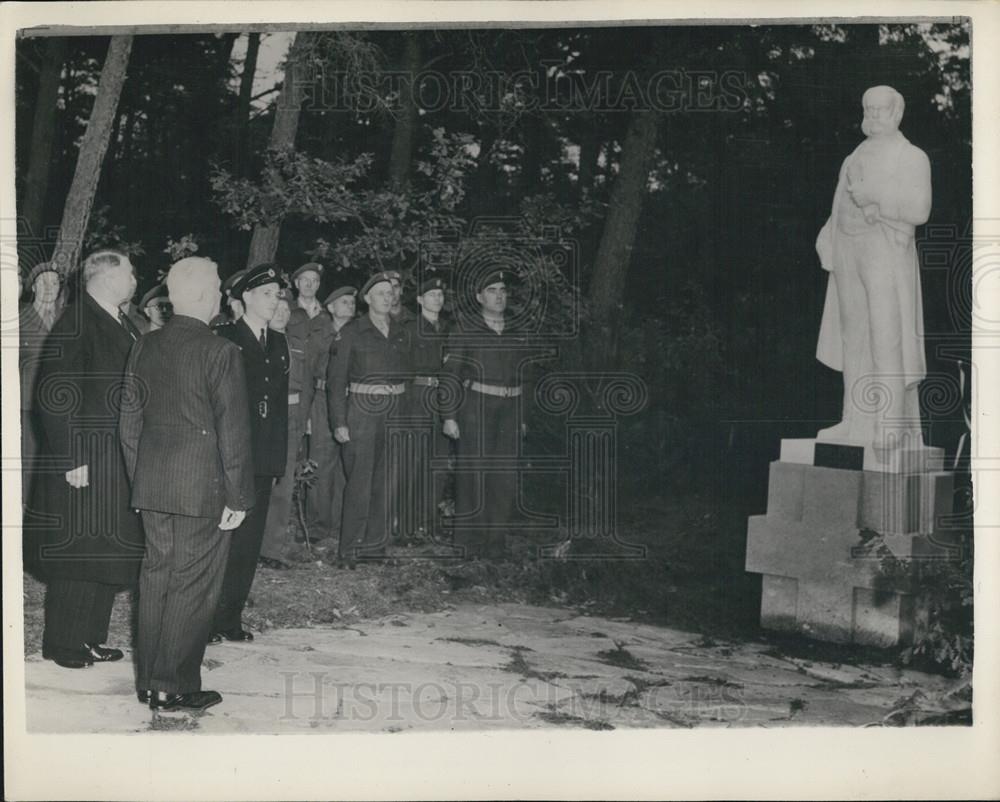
293,398
493,389
319,384
426,381
377,389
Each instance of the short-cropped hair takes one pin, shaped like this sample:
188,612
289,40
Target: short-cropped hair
101,260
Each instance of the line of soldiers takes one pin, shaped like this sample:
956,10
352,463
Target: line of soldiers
181,444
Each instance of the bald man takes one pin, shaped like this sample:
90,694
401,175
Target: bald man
185,434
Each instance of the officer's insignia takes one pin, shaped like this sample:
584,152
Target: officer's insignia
271,273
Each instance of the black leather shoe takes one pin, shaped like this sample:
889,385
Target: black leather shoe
102,654
234,635
144,697
69,658
275,565
194,701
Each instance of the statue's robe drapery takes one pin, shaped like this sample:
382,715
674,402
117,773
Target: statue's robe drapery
910,182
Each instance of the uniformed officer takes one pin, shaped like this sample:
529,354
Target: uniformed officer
310,323
366,376
266,364
232,308
156,306
278,546
326,496
397,311
418,490
485,358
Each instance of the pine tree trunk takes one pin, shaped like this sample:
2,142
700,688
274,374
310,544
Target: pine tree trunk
76,213
403,134
241,157
611,264
264,243
42,130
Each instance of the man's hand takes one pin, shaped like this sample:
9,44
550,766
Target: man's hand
231,519
342,434
871,213
451,429
78,477
860,194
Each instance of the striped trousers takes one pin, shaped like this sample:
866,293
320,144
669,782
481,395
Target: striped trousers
179,587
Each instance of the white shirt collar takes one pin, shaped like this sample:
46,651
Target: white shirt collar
109,308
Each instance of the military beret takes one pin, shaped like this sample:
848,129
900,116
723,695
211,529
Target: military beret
432,283
159,291
378,278
338,293
495,276
315,267
227,285
257,276
37,270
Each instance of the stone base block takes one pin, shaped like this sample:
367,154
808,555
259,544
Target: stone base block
822,577
922,459
830,612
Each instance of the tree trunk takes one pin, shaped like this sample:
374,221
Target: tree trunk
42,130
264,243
76,213
403,134
611,264
241,157
590,147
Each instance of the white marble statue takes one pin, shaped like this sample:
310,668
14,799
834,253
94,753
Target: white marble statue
872,328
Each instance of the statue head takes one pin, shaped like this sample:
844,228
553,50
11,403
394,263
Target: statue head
883,107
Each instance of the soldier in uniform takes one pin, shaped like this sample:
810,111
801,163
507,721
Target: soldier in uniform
326,496
365,377
266,365
485,358
232,308
155,305
397,311
418,490
278,545
310,324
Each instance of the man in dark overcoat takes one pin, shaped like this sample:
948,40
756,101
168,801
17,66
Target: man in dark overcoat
266,366
185,434
91,541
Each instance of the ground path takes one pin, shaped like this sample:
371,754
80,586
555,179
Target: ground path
480,667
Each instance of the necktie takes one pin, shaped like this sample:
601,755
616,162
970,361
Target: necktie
263,339
128,325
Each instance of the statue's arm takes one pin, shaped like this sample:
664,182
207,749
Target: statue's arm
909,200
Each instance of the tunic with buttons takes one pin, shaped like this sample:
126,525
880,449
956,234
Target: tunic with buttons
267,394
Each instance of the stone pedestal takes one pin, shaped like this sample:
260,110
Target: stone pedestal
826,501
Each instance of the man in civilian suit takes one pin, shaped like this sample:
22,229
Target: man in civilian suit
91,539
266,365
185,434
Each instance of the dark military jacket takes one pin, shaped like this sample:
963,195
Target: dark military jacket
427,345
476,353
364,355
267,394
